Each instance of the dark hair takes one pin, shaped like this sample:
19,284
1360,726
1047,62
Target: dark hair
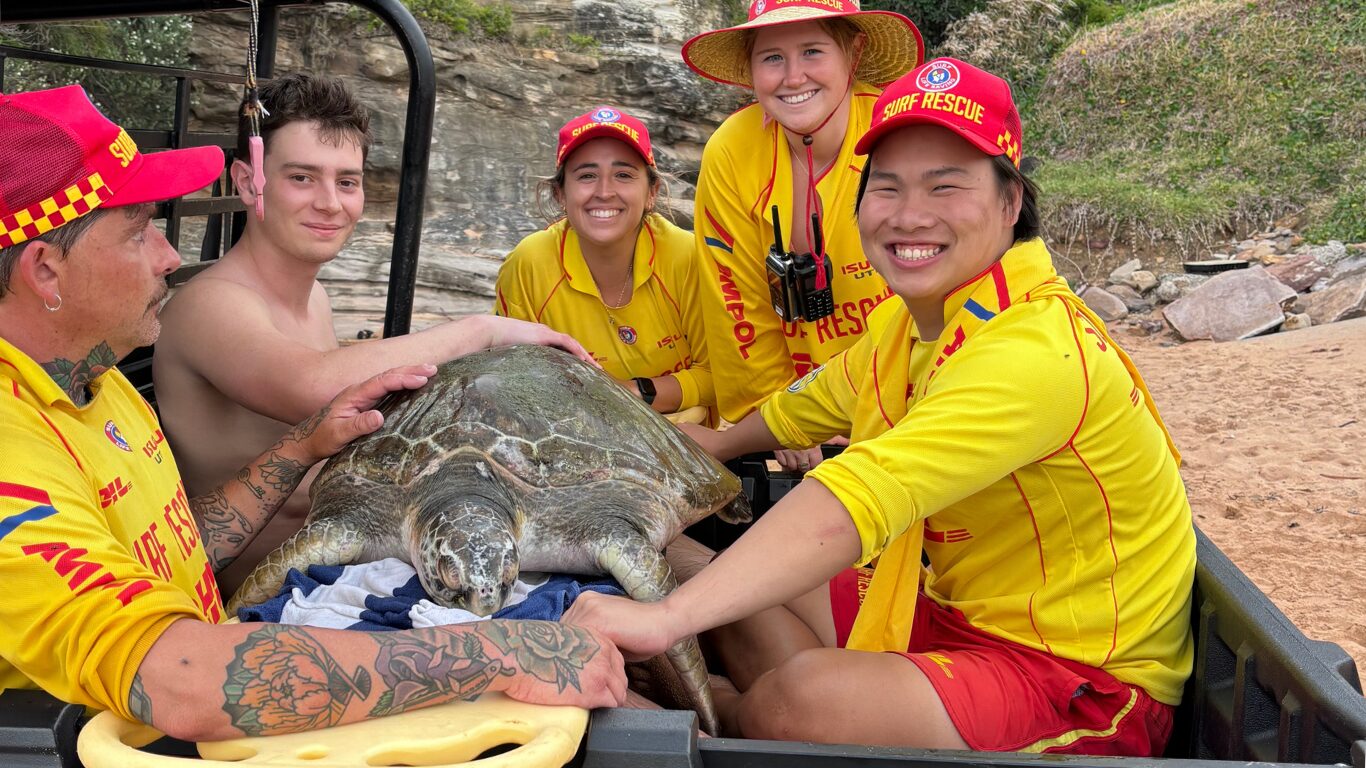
64,237
1008,179
309,98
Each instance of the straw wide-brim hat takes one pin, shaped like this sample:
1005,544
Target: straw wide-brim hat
893,46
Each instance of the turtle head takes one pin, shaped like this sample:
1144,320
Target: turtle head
467,558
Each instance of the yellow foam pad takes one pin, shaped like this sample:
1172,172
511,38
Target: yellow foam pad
451,734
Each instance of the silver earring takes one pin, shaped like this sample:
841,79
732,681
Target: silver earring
51,308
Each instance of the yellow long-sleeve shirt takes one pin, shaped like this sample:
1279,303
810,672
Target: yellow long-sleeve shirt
746,169
98,549
1053,510
658,333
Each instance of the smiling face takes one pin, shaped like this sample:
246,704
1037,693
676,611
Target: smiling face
314,193
932,215
606,192
800,74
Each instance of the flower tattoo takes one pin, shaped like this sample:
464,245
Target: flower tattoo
552,652
282,681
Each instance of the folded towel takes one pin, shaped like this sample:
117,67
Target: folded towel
386,595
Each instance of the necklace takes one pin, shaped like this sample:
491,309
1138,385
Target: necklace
621,295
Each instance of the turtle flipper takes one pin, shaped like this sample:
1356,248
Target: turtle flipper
320,542
641,570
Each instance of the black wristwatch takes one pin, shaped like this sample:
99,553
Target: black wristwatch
647,389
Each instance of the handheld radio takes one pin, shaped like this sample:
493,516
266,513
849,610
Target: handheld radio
792,278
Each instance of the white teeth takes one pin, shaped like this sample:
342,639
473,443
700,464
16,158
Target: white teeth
903,253
799,98
603,214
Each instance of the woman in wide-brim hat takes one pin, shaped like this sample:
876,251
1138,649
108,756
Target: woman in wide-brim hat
815,68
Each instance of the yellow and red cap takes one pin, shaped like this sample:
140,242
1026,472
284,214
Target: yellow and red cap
62,159
971,102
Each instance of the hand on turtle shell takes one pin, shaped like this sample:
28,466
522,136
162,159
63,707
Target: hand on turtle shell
507,331
565,665
637,629
350,414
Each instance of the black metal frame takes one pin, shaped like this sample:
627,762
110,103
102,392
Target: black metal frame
417,130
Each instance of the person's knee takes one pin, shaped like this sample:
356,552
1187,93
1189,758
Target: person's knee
787,703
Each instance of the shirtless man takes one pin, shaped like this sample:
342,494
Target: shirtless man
248,348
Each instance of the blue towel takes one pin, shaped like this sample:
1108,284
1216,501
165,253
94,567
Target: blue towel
354,603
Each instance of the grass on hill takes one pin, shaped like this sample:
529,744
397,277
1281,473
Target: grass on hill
1190,121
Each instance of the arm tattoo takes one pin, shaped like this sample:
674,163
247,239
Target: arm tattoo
281,680
73,376
281,473
419,672
222,527
555,653
139,705
244,477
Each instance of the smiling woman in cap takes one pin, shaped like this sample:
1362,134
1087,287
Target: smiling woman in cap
994,426
814,67
611,272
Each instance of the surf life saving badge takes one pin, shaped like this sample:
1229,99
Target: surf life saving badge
111,431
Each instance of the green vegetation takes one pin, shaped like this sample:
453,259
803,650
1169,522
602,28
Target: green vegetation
466,17
931,17
133,100
1190,121
583,43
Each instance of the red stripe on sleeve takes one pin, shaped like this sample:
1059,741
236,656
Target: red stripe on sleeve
720,231
16,491
1043,569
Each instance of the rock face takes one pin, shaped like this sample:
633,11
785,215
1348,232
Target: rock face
499,106
1232,305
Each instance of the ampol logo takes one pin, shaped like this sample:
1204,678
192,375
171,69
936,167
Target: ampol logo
111,431
938,76
627,334
606,115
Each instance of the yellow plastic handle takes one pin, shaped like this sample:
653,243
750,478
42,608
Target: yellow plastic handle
444,736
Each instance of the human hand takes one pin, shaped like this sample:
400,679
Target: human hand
560,664
350,414
799,460
639,630
506,331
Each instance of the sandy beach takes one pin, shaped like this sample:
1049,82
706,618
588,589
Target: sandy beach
1272,432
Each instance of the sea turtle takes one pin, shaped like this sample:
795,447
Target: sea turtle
520,458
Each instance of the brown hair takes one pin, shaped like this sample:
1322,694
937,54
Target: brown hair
844,32
310,98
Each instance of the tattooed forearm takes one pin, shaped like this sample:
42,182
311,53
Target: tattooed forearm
222,527
73,376
231,515
138,703
555,653
281,473
419,672
282,680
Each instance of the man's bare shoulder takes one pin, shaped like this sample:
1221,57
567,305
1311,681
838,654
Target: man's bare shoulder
203,302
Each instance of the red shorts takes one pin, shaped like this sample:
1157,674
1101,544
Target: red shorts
1005,697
